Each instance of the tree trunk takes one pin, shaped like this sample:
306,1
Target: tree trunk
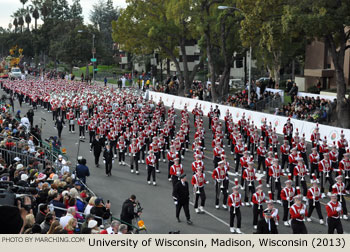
36,24
87,72
187,84
338,55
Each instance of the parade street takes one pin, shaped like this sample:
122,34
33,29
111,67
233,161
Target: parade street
159,209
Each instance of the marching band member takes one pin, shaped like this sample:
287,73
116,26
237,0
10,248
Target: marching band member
314,195
315,138
314,158
268,164
288,131
268,224
302,149
133,150
285,149
258,199
239,149
333,156
171,155
287,195
323,148
108,160
218,151
339,189
175,171
334,211
121,146
342,145
70,118
292,160
151,163
275,173
300,172
298,212
198,163
273,140
344,166
249,177
220,177
261,151
234,202
198,181
81,123
325,170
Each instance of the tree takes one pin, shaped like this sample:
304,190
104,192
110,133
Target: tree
21,22
23,2
76,13
28,19
327,21
149,25
15,24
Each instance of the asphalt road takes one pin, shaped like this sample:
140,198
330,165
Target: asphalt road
159,209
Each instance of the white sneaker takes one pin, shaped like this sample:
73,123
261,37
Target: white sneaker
289,222
283,170
232,230
154,183
132,171
236,174
182,157
267,185
276,223
231,153
157,171
137,172
323,196
196,210
138,161
242,188
201,209
259,171
169,179
279,202
120,163
129,154
309,219
255,227
217,206
149,182
123,163
224,206
238,231
143,161
329,194
223,146
164,161
251,203
304,199
286,223
115,155
243,204
264,172
321,222
345,217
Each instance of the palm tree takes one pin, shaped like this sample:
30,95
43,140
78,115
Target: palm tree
15,24
28,19
21,22
35,10
36,16
23,2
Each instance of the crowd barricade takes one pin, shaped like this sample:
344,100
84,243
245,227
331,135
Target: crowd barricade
327,97
332,133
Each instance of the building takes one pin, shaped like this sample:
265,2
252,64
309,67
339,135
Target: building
319,66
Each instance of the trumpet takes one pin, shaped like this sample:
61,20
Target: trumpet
234,204
341,195
313,197
302,170
327,174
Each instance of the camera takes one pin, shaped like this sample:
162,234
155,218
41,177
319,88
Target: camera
138,208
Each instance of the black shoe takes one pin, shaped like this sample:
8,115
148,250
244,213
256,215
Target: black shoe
178,220
97,165
189,222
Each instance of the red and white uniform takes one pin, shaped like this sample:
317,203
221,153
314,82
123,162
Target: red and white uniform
249,175
198,180
218,151
332,210
285,149
314,193
295,212
151,160
234,200
219,173
134,148
344,165
325,166
197,164
314,158
176,170
258,198
340,187
81,122
261,151
275,171
301,171
288,194
171,156
121,145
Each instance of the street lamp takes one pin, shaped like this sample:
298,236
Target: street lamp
93,54
250,49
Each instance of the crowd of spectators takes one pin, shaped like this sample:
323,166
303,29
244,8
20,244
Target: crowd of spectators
53,200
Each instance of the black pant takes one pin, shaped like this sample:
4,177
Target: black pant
324,179
97,157
257,212
81,131
59,132
186,209
312,207
298,227
151,171
91,136
291,169
261,161
314,169
108,166
276,185
201,195
343,204
134,159
334,224
238,157
218,190
71,127
298,180
284,160
285,210
216,161
233,214
121,156
248,188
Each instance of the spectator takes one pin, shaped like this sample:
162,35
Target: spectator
100,210
40,216
54,224
93,226
86,222
71,226
82,171
30,221
45,225
71,212
90,205
123,229
293,92
56,202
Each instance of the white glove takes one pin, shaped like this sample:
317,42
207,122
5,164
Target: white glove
207,182
104,161
302,211
338,209
112,161
175,202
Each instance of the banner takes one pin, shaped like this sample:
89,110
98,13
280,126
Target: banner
304,127
327,97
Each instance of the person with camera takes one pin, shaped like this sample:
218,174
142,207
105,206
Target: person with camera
128,211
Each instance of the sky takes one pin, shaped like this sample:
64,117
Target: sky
8,7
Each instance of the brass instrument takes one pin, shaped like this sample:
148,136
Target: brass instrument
260,198
302,171
275,173
340,191
234,204
249,178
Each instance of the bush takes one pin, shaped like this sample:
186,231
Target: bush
313,90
